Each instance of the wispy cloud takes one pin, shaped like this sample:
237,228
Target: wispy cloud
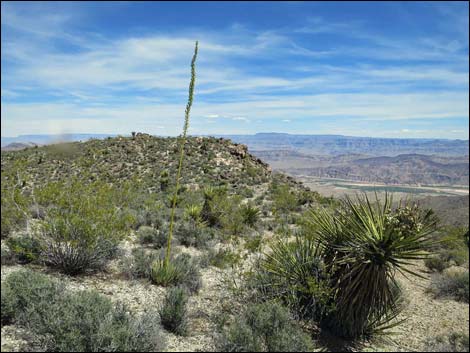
54,73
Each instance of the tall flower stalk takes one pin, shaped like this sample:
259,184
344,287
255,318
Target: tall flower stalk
182,142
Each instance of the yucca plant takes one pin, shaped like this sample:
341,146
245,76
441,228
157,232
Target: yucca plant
193,212
363,246
182,141
209,213
250,214
295,273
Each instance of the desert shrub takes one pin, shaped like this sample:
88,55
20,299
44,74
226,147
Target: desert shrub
265,327
436,263
284,199
362,246
453,342
452,284
24,289
180,271
164,180
121,332
452,246
76,321
232,221
149,216
173,312
250,215
7,305
14,201
295,273
26,248
8,257
151,235
83,224
139,264
221,258
253,244
211,211
193,233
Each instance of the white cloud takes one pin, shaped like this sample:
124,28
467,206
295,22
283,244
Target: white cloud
241,118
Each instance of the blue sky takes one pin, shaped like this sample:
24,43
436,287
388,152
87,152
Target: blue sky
395,69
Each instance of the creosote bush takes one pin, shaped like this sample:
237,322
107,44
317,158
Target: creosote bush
82,226
153,236
452,342
75,321
193,233
266,327
451,284
173,312
25,248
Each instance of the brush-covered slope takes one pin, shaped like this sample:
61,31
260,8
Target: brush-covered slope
142,158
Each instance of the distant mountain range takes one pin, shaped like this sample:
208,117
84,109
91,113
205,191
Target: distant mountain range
410,169
338,144
307,144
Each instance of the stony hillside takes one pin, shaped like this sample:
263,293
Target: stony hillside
144,158
85,228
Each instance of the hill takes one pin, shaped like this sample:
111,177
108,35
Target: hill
15,146
142,158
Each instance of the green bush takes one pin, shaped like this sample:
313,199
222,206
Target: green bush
253,244
221,258
75,321
25,288
453,342
193,233
8,257
436,263
121,332
164,274
14,202
451,284
150,235
26,248
139,264
284,199
83,224
173,312
265,327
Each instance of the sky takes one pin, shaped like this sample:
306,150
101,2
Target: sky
380,69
